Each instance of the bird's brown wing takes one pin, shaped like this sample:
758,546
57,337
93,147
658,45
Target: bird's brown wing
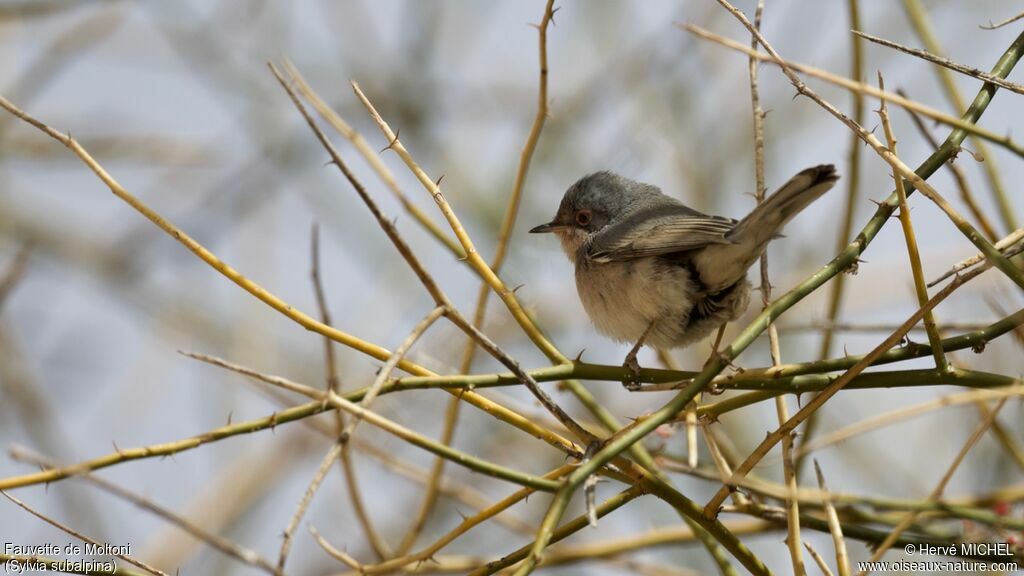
656,232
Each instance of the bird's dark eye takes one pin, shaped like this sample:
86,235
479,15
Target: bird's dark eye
583,217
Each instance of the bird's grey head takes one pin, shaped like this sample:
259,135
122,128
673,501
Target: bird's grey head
594,202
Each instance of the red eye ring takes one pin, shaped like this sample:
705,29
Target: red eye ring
583,217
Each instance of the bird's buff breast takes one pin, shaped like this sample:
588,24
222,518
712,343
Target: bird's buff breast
622,298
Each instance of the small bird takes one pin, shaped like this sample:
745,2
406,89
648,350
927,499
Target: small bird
649,269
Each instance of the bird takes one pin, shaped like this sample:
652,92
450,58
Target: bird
651,270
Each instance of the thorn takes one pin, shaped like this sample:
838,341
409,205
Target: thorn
438,181
229,417
516,289
579,357
392,143
978,157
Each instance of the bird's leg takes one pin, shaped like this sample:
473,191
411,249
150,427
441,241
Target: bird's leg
631,362
715,345
716,354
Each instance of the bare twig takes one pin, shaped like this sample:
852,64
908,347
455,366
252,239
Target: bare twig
861,88
338,447
1002,245
333,552
879,421
836,288
385,372
414,438
781,410
372,158
110,550
166,449
842,557
473,258
711,509
219,543
937,492
530,555
380,547
480,310
205,255
721,464
394,564
905,171
958,175
911,240
874,327
1009,20
307,497
690,420
922,26
428,282
946,62
822,565
330,362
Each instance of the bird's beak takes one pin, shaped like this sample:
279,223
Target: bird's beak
549,227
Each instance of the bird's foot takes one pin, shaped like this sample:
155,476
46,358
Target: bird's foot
727,361
632,381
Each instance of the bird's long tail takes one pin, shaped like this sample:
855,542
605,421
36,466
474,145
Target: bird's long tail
724,264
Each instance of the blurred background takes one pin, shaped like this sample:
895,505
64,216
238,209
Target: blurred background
176,101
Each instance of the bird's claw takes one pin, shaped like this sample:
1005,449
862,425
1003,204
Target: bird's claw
632,381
